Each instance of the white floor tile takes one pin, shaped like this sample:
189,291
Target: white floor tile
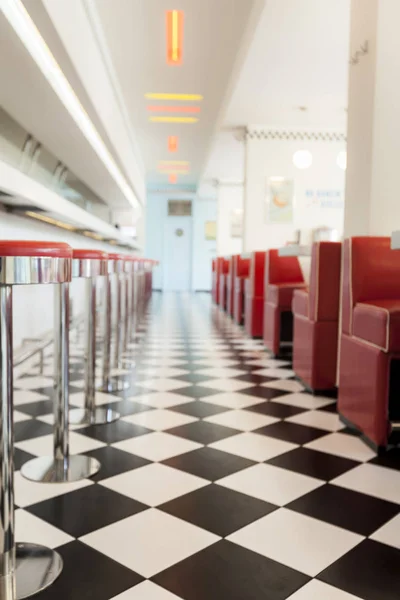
271,363
78,399
154,484
162,399
234,400
279,535
150,542
303,400
277,373
221,372
389,534
341,444
244,420
160,419
29,492
286,385
253,446
31,529
226,385
222,362
33,383
317,590
319,419
157,446
147,591
271,484
19,416
43,445
373,480
163,385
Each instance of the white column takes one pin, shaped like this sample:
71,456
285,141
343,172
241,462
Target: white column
372,182
229,208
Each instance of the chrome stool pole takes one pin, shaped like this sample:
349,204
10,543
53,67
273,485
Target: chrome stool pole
25,569
90,264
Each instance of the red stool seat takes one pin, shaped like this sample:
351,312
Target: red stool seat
85,253
32,248
116,256
378,322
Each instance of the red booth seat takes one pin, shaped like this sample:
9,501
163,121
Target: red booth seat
223,282
370,337
242,274
283,275
254,293
316,315
217,269
230,284
214,280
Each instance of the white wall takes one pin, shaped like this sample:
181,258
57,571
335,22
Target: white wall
267,158
202,250
230,198
33,304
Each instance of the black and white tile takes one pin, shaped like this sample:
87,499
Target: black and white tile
222,479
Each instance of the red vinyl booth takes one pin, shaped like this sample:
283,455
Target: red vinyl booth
217,264
223,282
316,316
242,274
283,275
369,352
254,290
230,286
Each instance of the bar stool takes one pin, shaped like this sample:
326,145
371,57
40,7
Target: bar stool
26,569
128,286
115,274
90,264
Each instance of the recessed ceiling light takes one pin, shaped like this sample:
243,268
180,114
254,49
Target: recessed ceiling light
174,37
174,109
172,178
173,119
184,97
302,159
342,160
172,143
176,163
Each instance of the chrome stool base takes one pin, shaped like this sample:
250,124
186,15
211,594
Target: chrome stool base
114,385
47,469
37,567
100,416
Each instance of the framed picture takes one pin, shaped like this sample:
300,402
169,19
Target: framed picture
237,223
210,230
279,200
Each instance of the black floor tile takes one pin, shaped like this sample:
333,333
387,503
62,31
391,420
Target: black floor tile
21,457
291,432
332,408
253,378
199,409
114,462
347,509
114,432
313,463
86,510
389,459
203,432
370,571
209,463
226,570
89,575
275,409
217,509
197,391
26,430
265,393
37,409
194,378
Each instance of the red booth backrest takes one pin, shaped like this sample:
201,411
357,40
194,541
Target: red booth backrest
225,264
324,287
371,271
256,276
243,267
282,269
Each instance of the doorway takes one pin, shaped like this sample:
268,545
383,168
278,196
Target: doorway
177,255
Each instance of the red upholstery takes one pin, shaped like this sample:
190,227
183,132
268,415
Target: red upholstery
254,292
33,248
370,336
283,275
116,256
230,284
316,314
223,281
84,253
242,274
216,276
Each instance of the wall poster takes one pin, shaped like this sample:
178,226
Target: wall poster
210,230
237,223
279,200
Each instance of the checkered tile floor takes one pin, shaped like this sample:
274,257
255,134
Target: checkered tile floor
222,480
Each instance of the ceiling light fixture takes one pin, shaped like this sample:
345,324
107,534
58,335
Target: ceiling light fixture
173,178
49,220
183,97
302,159
175,163
342,160
174,109
21,22
173,119
172,143
174,37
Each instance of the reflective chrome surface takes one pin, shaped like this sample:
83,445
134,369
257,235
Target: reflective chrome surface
37,568
107,307
24,270
89,267
99,416
47,469
114,385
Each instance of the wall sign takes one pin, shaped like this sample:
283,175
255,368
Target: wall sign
210,230
279,200
325,198
237,222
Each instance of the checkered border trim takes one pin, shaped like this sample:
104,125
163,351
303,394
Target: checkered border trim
307,136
